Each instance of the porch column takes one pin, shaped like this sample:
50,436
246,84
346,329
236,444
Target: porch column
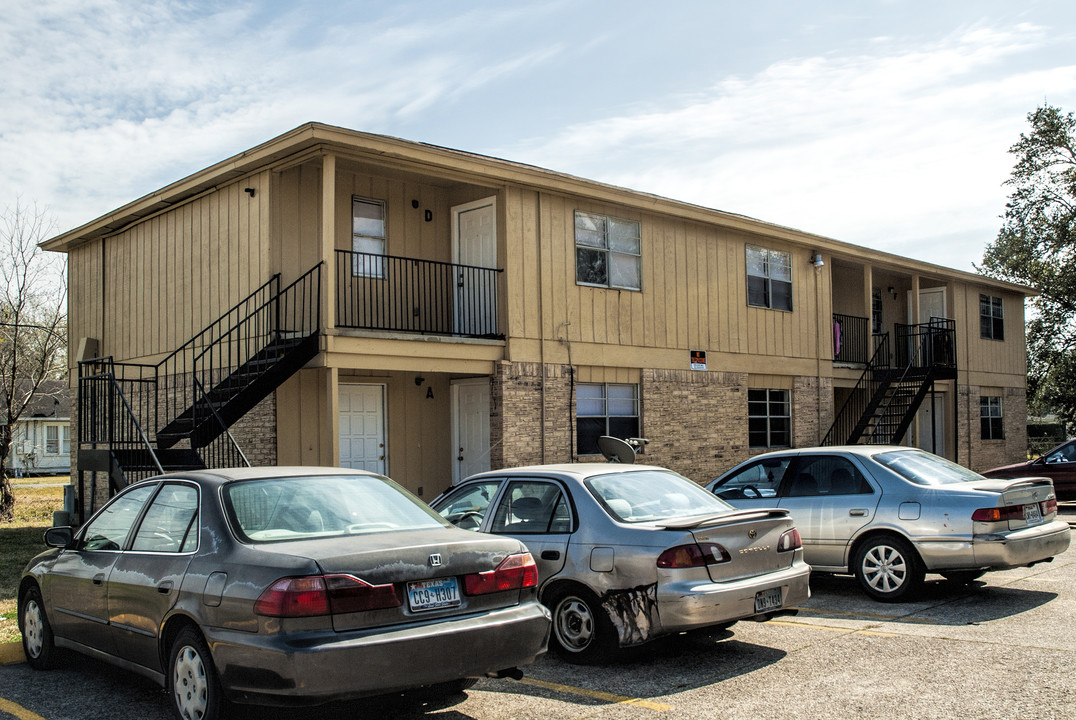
330,439
328,241
868,303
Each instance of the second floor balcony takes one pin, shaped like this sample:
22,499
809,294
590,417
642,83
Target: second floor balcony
399,294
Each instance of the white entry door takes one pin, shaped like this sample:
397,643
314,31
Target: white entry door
936,444
474,238
362,427
931,304
470,431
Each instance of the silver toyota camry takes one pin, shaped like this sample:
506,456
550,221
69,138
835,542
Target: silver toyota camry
281,586
890,514
626,553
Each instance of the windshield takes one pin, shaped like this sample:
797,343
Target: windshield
291,508
922,468
649,495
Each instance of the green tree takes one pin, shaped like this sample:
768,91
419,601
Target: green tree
1037,246
33,324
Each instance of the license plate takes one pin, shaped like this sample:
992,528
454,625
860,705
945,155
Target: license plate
433,594
766,600
1032,514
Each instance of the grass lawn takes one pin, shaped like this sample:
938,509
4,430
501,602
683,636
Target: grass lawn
21,539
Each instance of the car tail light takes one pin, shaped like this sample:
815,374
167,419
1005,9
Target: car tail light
514,572
998,514
324,595
1049,506
693,555
791,540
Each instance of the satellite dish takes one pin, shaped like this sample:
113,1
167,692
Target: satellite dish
616,450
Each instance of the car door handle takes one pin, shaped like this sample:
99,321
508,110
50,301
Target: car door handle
551,555
165,587
858,512
99,579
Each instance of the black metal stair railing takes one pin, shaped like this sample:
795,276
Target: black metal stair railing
851,335
855,406
386,292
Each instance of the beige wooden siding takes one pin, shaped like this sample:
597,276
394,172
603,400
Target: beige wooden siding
694,290
84,298
984,356
169,276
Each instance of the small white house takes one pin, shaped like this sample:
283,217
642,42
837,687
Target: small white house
41,442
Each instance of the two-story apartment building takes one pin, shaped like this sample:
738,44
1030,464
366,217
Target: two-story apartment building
340,298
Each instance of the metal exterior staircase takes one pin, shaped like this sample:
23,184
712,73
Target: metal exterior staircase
884,402
137,420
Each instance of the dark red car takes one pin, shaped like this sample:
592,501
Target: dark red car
1059,465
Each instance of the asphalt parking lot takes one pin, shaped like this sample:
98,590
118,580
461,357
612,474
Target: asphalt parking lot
1003,648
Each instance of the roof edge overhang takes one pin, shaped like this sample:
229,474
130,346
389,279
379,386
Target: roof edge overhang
328,139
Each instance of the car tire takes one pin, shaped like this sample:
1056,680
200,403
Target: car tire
582,632
963,577
888,568
193,685
38,643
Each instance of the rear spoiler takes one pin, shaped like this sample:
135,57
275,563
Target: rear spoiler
690,523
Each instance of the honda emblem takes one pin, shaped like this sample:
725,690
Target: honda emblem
435,560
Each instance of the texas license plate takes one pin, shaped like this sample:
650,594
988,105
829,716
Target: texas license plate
433,594
766,600
1032,514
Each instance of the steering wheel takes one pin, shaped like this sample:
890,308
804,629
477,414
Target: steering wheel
753,489
470,520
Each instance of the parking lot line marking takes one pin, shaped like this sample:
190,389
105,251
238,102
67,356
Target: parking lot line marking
18,711
851,631
870,616
597,695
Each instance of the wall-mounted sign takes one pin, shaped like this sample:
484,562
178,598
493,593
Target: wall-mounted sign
698,359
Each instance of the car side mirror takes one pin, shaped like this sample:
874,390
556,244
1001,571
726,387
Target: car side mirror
59,537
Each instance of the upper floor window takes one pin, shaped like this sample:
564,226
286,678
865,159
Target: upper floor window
769,278
607,252
367,236
990,418
991,317
769,418
605,409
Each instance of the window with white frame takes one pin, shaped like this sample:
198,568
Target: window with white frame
991,317
990,418
605,409
608,252
367,237
769,418
769,278
57,440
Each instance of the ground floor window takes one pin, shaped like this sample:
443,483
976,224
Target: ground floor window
990,418
769,418
57,440
605,409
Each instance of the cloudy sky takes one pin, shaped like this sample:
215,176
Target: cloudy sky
884,123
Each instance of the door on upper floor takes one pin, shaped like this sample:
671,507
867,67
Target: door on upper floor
474,240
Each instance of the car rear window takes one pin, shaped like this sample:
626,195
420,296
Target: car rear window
923,468
291,508
649,495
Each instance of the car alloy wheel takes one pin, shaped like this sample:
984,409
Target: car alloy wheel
888,568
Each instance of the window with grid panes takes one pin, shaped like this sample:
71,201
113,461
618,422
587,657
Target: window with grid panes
769,278
607,252
769,418
991,317
604,409
990,418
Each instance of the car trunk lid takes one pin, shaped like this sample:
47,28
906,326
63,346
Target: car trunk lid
1022,501
751,538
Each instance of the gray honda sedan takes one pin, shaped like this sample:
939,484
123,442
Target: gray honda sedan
282,586
629,552
891,514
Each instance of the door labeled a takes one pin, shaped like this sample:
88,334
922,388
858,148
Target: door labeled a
362,427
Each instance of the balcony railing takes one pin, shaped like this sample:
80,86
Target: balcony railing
851,336
385,292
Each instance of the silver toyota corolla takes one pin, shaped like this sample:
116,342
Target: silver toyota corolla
281,586
629,552
891,514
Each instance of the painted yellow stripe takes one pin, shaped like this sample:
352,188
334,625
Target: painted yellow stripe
869,616
855,631
607,697
18,711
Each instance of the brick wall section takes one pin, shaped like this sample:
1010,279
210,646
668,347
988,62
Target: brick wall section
696,421
255,432
516,415
986,454
812,410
